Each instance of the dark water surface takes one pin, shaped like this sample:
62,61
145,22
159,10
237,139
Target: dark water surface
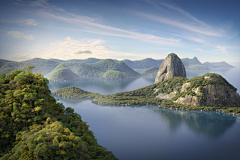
152,133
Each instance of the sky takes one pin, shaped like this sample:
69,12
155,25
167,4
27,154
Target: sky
120,29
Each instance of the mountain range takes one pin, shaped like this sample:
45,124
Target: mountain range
55,69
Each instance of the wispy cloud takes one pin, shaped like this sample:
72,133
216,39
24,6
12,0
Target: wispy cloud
83,52
30,22
94,27
82,43
222,49
36,3
189,26
17,34
199,49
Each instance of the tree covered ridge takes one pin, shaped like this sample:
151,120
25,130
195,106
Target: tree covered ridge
34,126
74,92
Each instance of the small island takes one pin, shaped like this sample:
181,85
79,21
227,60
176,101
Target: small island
210,92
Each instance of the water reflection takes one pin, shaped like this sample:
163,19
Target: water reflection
210,124
102,86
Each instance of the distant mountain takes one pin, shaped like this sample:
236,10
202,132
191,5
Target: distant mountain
188,61
10,66
46,66
150,71
61,73
34,60
4,60
59,60
217,64
143,64
107,68
98,69
193,64
89,60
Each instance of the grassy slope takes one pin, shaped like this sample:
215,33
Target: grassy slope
74,92
46,66
151,71
98,69
61,72
143,64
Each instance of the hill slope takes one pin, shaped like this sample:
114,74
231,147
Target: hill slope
34,126
98,69
143,64
150,71
217,64
61,73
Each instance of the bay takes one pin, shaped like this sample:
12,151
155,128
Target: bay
149,132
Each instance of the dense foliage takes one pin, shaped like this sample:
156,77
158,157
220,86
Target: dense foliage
34,126
143,64
98,69
74,92
150,71
61,73
110,74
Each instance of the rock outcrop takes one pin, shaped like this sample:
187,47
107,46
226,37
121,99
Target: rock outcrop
172,66
209,90
218,96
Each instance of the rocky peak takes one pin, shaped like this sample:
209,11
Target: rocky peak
172,66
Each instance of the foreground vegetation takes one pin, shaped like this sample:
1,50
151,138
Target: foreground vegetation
34,126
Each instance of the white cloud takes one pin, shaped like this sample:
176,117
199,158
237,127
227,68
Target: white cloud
187,25
17,34
83,52
82,43
199,49
221,49
30,22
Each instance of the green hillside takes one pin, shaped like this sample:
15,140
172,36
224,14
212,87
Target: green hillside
45,66
98,69
61,73
143,64
110,74
35,60
35,126
74,92
10,66
150,71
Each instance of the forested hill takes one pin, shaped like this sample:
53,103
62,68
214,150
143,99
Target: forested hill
45,66
217,64
35,126
57,70
143,64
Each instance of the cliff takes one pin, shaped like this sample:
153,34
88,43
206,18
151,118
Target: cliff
172,66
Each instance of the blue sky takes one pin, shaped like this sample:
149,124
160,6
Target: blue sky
120,29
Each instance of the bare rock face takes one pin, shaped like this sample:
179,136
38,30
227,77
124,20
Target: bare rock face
217,95
172,66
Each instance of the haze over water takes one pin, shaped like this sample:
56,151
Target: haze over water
149,132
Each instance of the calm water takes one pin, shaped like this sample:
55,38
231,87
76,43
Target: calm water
149,132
